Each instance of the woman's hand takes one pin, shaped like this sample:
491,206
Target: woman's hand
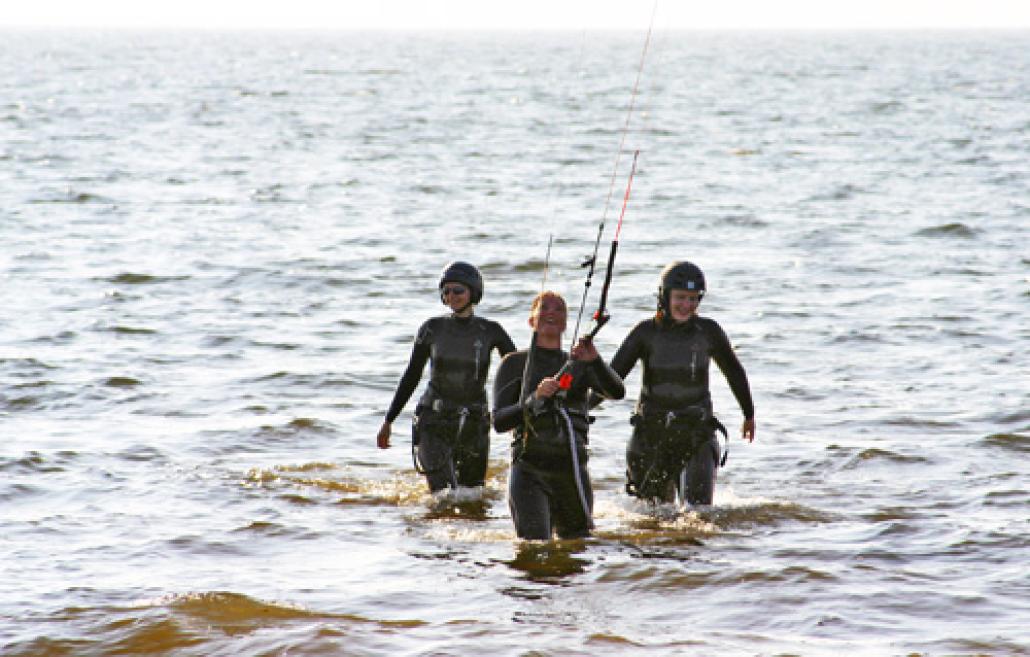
383,438
547,387
747,430
585,350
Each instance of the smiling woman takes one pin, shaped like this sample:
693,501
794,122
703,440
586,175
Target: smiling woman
674,450
530,14
549,487
451,430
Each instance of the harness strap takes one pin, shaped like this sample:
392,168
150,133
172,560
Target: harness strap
463,414
575,467
667,421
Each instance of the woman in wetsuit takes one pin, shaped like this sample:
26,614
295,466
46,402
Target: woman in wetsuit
674,449
549,487
451,430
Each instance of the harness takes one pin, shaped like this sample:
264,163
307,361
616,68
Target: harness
560,418
447,422
674,437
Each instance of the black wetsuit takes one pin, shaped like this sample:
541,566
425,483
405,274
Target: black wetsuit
674,428
543,492
451,424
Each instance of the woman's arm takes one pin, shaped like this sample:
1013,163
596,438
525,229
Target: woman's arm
507,411
630,351
505,345
409,380
729,364
412,375
607,381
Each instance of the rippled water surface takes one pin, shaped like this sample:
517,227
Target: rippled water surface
216,248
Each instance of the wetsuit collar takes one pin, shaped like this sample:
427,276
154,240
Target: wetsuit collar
683,326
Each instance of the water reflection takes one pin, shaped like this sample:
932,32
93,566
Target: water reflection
549,562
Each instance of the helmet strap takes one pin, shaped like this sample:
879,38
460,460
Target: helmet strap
459,311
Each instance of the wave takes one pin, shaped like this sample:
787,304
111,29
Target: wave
1015,417
274,529
857,335
21,404
296,426
73,197
887,107
891,513
921,422
839,193
642,523
744,221
874,454
995,646
318,482
531,265
286,379
59,338
955,229
1016,498
789,575
342,489
130,330
795,392
224,607
198,623
766,514
1014,442
130,278
142,454
271,194
14,493
37,394
35,463
122,382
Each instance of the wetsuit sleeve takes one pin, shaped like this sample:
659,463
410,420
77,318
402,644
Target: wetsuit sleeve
412,374
629,352
724,356
504,342
507,412
607,382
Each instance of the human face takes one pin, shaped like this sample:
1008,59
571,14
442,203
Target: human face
549,317
683,304
455,295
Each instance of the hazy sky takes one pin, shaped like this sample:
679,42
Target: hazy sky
519,14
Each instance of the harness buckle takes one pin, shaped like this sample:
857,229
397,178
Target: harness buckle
463,415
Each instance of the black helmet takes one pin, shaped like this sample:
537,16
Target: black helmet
467,275
681,275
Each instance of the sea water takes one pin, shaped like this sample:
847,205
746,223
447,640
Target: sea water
216,248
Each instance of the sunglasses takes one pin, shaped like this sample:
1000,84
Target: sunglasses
456,291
